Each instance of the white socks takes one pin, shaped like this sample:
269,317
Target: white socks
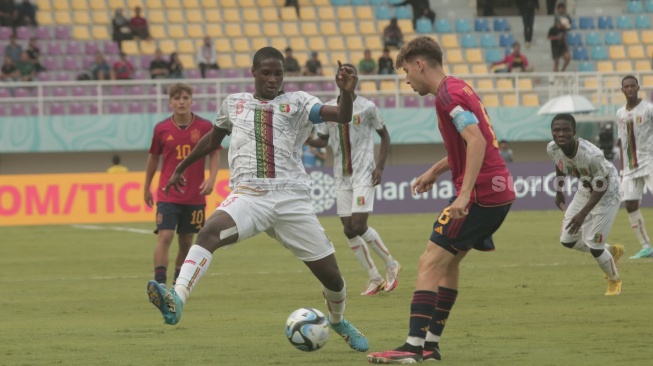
430,337
607,265
637,224
415,341
335,302
362,254
195,266
373,239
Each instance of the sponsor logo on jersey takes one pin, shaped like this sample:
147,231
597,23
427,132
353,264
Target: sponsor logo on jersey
170,138
195,135
438,230
284,107
360,200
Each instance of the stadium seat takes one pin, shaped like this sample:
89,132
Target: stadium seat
635,7
443,26
348,28
488,41
449,41
484,85
81,33
631,37
506,40
374,43
176,16
233,15
461,69
403,12
354,43
501,25
617,52
156,17
605,66
383,12
509,100
424,26
636,52
480,69
176,31
642,22
100,33
411,102
505,85
574,39
605,22
531,100
586,23
390,102
335,43
624,22
612,38
469,41
647,80
642,65
158,31
624,66
367,86
525,84
463,26
289,29
100,17
599,53
493,55
364,27
345,13
593,39
73,48
490,100
481,25
214,16
580,53
252,30
647,36
473,56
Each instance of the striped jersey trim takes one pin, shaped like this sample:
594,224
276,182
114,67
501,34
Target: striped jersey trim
345,149
265,164
632,145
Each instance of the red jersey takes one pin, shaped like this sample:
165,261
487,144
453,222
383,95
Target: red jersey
493,185
175,143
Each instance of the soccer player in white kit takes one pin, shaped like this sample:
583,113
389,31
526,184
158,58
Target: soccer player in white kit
270,188
635,133
591,213
356,174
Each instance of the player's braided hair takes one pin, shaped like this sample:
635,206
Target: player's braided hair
424,47
267,53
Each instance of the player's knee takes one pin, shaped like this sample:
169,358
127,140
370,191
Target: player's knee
569,245
596,252
631,206
214,235
359,228
349,232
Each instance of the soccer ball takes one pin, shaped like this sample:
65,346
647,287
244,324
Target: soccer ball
307,329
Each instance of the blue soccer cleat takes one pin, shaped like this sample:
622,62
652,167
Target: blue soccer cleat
168,302
354,338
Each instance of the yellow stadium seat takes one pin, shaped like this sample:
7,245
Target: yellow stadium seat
259,42
100,33
147,48
176,16
229,3
491,100
60,5
213,16
406,26
196,31
194,16
225,61
454,56
82,4
612,82
271,29
647,36
270,15
158,31
388,85
307,13
167,46
44,18
186,46
591,83
222,45
374,43
450,41
242,60
289,29
604,66
531,100
288,14
241,44
647,80
231,15
62,18
524,84
244,4
461,69
504,84
267,3
649,50
251,15
116,4
43,5
317,43
298,44
355,43
480,69
156,17
635,52
301,57
101,17
367,28
364,13
81,32
187,61
599,100
191,4
509,100
617,52
153,4
345,13
474,55
279,43
176,31
252,30
630,37
326,13
209,4
335,43
642,65
328,29
405,87
624,66
172,4
320,2
96,5
130,47
233,30
133,3
309,29
367,86
82,17
484,85
348,28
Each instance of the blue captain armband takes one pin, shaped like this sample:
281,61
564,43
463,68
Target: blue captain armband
314,114
462,118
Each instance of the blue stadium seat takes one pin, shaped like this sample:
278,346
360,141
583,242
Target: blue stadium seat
574,39
403,12
424,26
580,53
586,67
443,26
586,23
593,39
635,7
649,7
599,53
605,22
488,40
377,2
359,2
481,25
507,51
501,25
468,41
624,22
642,22
493,55
612,38
463,26
340,2
383,12
506,40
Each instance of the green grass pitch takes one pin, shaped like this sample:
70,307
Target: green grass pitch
72,296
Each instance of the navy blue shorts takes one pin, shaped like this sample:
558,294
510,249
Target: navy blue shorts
473,231
185,218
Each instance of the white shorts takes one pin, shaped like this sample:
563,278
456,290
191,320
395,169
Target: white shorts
286,216
632,189
596,228
356,200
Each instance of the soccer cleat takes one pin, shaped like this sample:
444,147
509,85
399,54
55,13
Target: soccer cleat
392,277
354,338
614,288
644,253
406,354
373,286
168,302
431,352
617,251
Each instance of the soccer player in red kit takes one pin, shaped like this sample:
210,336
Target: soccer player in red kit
173,139
484,194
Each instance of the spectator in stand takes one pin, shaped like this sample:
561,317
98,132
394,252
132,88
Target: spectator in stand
386,63
121,29
207,57
98,70
559,48
313,66
421,8
13,49
563,17
123,69
175,67
159,68
488,8
505,151
516,61
367,66
392,35
290,64
8,13
9,72
117,167
294,3
138,25
26,14
34,53
550,6
26,68
527,9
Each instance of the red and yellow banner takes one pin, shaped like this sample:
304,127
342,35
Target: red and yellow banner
85,198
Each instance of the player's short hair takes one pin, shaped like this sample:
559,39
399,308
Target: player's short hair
266,53
177,88
425,47
629,77
565,117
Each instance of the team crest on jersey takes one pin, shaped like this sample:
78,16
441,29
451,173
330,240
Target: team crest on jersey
195,135
356,120
240,107
360,200
598,238
284,107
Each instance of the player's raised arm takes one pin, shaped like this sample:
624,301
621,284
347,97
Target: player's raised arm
346,80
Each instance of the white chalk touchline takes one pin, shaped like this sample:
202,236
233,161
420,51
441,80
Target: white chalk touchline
113,228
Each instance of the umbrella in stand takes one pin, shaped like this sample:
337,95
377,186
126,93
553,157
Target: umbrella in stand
567,104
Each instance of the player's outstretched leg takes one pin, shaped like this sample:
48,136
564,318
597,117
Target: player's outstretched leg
617,251
168,302
392,267
354,338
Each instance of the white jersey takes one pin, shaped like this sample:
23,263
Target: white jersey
635,131
266,139
353,144
587,165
